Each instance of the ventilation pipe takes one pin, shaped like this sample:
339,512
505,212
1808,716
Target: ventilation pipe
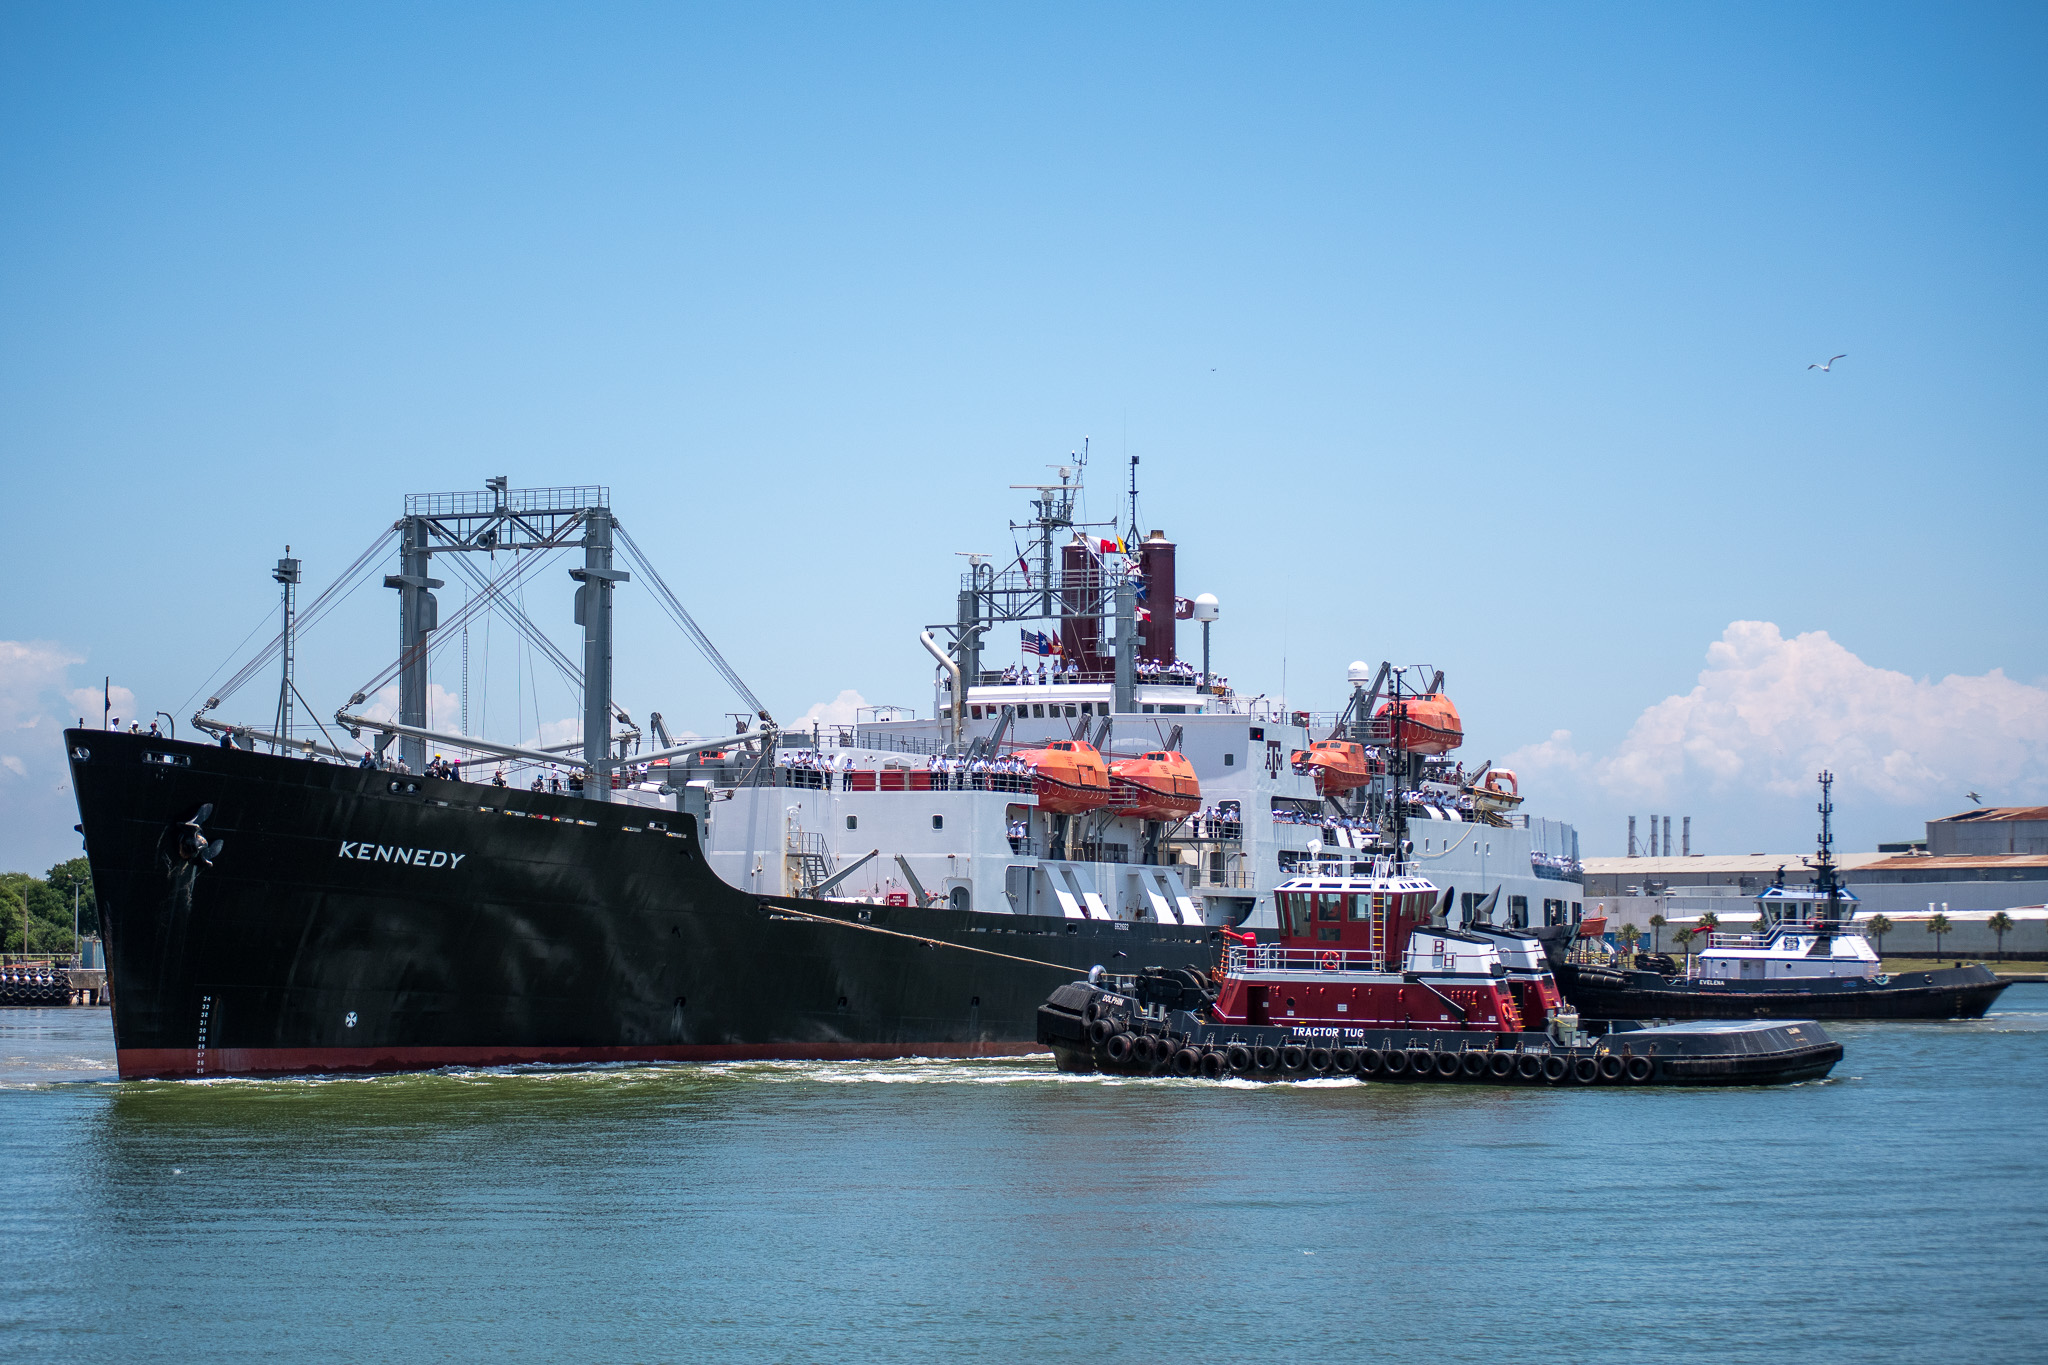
959,707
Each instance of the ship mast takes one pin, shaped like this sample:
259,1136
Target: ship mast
1824,879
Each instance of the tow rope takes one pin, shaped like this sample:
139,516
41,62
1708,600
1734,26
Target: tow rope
918,938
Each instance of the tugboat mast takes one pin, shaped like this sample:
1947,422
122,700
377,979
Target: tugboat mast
1824,880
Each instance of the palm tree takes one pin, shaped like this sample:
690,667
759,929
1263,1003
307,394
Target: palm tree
1628,934
1878,926
2000,924
1683,938
1938,925
1657,923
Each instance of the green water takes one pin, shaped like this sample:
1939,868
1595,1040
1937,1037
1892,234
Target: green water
941,1211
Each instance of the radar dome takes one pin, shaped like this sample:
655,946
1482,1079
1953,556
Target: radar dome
1360,672
1206,607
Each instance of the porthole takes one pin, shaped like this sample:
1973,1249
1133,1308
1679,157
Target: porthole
938,822
853,822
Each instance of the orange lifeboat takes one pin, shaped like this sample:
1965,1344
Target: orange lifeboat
1427,724
1068,777
1339,765
1155,786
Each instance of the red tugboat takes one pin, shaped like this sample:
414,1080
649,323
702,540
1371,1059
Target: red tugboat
1365,981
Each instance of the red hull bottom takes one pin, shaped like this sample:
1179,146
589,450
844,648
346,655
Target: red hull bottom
184,1063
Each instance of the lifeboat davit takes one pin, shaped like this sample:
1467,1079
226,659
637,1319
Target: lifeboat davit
1339,765
1155,786
1068,776
1427,724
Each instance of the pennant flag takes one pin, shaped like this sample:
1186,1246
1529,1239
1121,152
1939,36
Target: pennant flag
1112,547
1025,565
1183,608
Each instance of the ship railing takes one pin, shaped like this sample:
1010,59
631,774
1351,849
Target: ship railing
483,503
1233,878
1271,957
1755,939
886,780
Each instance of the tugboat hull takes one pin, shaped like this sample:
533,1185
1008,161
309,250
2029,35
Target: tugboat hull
1950,993
1093,1030
266,915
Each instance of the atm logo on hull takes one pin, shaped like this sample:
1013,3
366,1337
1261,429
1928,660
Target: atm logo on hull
415,857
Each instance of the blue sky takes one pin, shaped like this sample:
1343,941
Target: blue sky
1475,335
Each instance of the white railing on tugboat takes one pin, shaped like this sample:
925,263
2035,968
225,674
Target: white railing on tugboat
1759,940
1271,957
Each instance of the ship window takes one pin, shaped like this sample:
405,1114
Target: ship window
1072,710
1038,710
1361,907
974,712
938,822
1229,760
1331,907
1148,708
1087,708
853,822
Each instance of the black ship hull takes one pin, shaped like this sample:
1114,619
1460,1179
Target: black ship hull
326,918
1951,993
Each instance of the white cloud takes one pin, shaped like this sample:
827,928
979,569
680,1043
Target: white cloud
13,765
1768,713
29,671
841,710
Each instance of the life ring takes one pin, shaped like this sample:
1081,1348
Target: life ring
1186,1062
1395,1062
1449,1065
1639,1069
1346,1061
1369,1061
1585,1071
1293,1057
1319,1059
1265,1057
1214,1065
1099,1031
1612,1068
1240,1058
1118,1048
1501,1065
1555,1067
1472,1062
1330,960
1528,1066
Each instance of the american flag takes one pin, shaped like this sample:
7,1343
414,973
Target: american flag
1037,642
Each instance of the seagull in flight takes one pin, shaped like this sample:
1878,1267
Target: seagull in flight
1831,363
1974,797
